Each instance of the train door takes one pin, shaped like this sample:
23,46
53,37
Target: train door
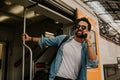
3,61
92,73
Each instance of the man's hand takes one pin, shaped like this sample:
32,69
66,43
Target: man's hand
26,37
88,38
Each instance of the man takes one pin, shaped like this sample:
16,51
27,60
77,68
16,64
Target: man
73,56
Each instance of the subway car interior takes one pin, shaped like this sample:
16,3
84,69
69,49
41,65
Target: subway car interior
50,18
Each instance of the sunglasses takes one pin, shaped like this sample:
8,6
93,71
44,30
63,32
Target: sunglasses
82,27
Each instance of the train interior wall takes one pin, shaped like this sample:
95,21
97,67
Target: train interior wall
12,35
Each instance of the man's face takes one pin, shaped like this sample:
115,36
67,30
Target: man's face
81,29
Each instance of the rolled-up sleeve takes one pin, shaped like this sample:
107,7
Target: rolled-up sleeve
92,63
55,41
41,42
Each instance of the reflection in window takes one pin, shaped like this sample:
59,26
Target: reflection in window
1,46
108,32
2,61
93,41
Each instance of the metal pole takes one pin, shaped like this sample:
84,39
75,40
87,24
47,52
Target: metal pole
30,60
23,59
24,45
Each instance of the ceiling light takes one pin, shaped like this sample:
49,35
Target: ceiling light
2,18
49,34
8,3
36,14
30,14
56,22
17,9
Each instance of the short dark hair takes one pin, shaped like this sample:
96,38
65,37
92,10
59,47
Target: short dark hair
86,20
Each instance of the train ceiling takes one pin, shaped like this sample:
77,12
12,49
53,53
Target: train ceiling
11,13
10,16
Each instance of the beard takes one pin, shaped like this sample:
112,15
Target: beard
80,35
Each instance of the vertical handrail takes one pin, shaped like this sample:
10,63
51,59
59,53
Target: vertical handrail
23,56
24,45
30,60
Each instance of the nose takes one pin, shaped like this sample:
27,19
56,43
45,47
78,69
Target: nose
79,27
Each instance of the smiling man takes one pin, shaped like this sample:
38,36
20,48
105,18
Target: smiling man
73,56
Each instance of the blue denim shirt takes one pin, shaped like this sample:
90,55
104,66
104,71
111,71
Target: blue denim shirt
57,61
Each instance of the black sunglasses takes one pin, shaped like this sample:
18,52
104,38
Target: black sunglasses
82,27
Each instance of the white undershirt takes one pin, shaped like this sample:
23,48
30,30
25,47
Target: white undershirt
71,60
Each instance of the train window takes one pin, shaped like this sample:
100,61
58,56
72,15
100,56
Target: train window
2,61
93,41
0,54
